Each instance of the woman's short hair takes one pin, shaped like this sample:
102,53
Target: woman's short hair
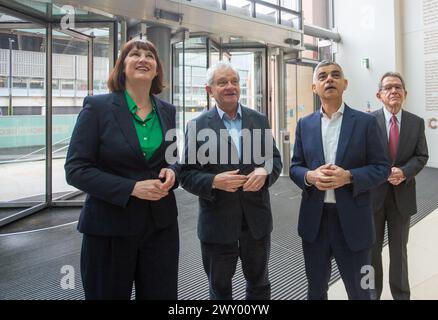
117,78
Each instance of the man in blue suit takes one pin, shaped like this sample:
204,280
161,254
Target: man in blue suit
338,157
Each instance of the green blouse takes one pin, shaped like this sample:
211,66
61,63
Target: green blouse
149,132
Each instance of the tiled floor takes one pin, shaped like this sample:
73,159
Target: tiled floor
422,260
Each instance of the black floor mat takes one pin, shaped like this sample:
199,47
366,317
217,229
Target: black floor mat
31,262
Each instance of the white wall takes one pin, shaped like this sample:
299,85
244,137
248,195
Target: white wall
414,70
390,34
367,28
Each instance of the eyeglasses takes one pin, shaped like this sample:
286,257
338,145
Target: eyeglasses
223,83
397,87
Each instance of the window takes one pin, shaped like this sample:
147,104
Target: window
242,7
55,84
266,13
67,85
19,83
4,82
81,85
36,84
317,13
209,3
290,20
289,4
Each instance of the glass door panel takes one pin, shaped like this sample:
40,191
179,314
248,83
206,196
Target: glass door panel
22,112
70,78
250,65
189,60
300,100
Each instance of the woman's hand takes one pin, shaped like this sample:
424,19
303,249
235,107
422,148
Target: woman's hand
149,190
169,176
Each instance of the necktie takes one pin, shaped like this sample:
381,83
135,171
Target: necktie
393,138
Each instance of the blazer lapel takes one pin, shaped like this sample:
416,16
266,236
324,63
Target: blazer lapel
404,135
381,121
316,129
246,119
124,119
216,123
380,116
348,122
162,116
165,121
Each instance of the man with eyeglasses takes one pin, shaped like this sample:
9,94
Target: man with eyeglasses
338,158
394,202
235,219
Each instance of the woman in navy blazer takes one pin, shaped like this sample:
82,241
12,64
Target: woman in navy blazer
117,156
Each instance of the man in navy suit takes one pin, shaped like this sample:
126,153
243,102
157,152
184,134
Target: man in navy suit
395,201
235,218
338,157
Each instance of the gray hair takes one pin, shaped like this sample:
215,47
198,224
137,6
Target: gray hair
392,75
219,66
326,63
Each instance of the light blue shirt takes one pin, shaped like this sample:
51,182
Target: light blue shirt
388,116
234,126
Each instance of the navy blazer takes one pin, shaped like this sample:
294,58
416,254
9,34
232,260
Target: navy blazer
360,150
220,212
412,156
105,160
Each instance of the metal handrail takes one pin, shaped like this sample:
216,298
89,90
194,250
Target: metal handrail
23,157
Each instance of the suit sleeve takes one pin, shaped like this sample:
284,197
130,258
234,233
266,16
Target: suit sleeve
419,159
378,167
175,166
81,166
299,168
193,176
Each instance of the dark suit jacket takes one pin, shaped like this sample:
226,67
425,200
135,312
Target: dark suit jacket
220,212
359,151
412,156
105,161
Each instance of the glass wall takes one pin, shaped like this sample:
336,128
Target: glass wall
284,12
80,58
317,13
189,69
217,4
250,64
71,83
22,111
70,78
242,7
190,60
300,100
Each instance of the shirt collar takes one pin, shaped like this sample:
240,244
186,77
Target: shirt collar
388,115
222,113
131,103
340,110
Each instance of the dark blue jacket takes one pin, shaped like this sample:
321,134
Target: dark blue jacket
221,213
105,161
361,151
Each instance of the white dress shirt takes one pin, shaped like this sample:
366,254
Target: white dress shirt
331,129
388,116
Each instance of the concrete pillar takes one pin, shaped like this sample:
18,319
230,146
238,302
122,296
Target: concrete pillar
160,37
